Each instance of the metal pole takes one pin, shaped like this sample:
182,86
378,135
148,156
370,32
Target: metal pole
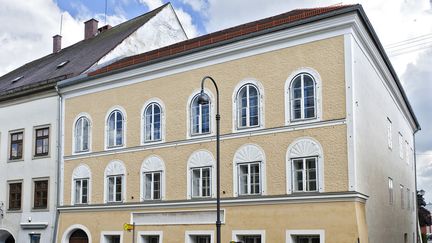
133,232
218,221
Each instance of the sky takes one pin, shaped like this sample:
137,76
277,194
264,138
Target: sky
403,26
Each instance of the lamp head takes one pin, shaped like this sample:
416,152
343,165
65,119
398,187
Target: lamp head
422,192
203,99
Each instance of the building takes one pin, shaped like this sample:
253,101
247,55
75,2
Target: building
316,145
30,116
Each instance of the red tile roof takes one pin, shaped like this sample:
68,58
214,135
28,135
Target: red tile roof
219,36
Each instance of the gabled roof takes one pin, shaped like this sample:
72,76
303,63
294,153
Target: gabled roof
44,72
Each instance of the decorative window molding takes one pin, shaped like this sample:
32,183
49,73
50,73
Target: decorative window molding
189,113
246,154
289,119
190,235
116,145
148,104
201,159
78,140
115,168
237,234
235,105
302,148
81,172
291,235
143,236
152,164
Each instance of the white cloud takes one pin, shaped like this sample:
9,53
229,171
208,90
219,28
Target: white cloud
196,5
152,4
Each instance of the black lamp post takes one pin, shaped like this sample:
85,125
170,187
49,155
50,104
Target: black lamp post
204,99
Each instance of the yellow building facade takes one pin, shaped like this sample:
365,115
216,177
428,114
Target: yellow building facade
138,150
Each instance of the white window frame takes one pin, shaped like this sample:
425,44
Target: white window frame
162,120
401,148
402,198
152,164
200,189
115,168
304,181
391,191
248,182
318,96
236,234
407,154
152,173
111,233
200,159
290,234
189,132
142,234
235,105
301,148
80,172
111,110
189,234
249,153
82,115
69,231
389,134
81,180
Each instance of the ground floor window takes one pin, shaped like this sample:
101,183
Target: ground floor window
35,238
250,238
112,239
307,239
150,236
201,239
305,236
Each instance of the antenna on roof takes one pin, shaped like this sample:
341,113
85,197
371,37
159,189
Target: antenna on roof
61,23
106,3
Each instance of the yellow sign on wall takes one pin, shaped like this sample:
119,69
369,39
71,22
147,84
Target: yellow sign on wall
128,227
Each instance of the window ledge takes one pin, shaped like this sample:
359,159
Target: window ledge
40,210
14,160
14,211
36,157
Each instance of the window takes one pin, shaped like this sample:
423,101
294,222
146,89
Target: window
390,188
205,236
152,181
407,154
402,196
250,238
15,194
82,135
201,182
201,239
408,195
152,123
307,239
389,134
35,238
401,149
40,196
304,174
303,98
248,106
152,178
81,191
115,188
150,239
150,236
200,116
42,142
115,129
249,178
16,145
112,239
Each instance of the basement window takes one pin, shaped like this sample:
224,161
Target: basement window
62,64
17,79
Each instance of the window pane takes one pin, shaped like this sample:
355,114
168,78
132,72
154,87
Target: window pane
206,182
196,182
85,135
119,130
118,188
77,191
84,191
205,118
255,179
148,182
111,129
243,175
298,175
111,189
157,186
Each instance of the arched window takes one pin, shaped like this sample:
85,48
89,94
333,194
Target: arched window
303,97
305,168
249,169
81,180
248,106
200,175
200,116
152,122
115,129
82,135
153,179
115,182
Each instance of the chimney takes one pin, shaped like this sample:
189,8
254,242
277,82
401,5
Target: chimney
90,28
57,43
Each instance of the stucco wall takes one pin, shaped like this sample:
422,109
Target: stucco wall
42,111
373,103
337,219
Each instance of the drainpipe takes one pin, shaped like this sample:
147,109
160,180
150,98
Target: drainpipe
59,159
417,223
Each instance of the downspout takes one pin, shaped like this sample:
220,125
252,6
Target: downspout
417,223
59,153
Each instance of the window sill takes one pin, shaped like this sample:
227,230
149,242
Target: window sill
14,211
144,143
36,157
246,129
14,160
81,152
115,147
40,210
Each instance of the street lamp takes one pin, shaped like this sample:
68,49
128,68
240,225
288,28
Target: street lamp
202,100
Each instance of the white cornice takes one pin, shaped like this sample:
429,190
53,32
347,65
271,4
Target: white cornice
269,200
